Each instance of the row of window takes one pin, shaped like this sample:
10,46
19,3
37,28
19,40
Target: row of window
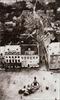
22,57
12,61
16,61
12,53
12,57
16,49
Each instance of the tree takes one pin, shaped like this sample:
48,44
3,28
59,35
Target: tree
1,32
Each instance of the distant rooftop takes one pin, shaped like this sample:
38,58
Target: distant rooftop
8,1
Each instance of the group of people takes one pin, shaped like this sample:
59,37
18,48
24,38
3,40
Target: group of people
30,88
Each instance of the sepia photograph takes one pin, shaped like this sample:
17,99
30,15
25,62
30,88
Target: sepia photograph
29,49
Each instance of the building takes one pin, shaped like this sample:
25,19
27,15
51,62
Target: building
17,57
2,48
54,55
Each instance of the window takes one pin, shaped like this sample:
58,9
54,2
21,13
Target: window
27,57
13,61
36,57
18,60
9,57
58,61
12,57
30,57
1,54
15,56
6,53
21,57
6,57
7,60
53,53
18,56
24,57
52,59
33,57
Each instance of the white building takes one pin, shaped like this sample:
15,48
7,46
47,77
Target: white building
13,48
2,49
54,55
13,56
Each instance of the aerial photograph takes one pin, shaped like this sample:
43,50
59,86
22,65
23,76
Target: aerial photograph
29,49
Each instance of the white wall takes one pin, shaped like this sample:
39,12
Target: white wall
53,49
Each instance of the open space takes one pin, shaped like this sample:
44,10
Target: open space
11,82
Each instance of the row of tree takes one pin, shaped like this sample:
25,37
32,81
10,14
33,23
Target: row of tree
17,19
